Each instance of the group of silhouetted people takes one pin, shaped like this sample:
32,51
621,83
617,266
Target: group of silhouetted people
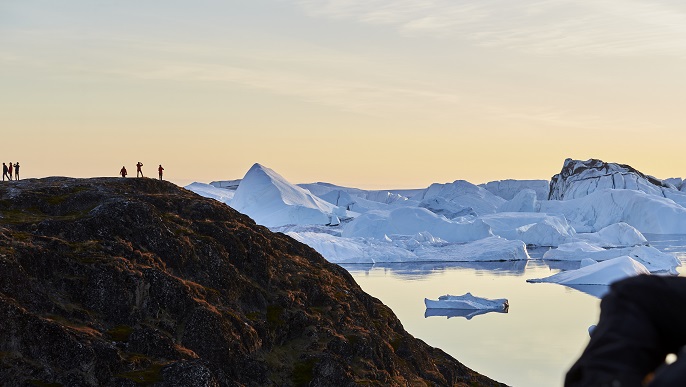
8,171
139,170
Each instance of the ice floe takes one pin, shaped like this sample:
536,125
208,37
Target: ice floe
601,273
466,301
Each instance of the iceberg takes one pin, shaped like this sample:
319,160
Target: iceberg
581,178
649,214
615,235
418,248
231,185
209,191
357,204
601,273
346,250
508,189
272,201
524,201
653,259
466,301
537,229
458,197
412,220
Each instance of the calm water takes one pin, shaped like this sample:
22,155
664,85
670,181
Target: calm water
534,344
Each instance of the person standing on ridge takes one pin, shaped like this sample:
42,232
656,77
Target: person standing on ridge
4,171
160,169
9,170
123,172
139,170
16,170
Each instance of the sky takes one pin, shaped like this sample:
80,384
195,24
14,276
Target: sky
363,93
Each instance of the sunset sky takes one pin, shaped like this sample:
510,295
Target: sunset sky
365,93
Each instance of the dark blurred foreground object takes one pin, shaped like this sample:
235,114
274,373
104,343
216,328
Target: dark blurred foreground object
642,320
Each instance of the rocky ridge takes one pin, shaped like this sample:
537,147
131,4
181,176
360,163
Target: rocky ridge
126,282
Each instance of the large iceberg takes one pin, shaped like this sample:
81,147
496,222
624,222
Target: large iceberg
580,178
272,201
650,214
412,220
601,273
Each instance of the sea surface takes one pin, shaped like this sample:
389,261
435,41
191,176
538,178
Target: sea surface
532,345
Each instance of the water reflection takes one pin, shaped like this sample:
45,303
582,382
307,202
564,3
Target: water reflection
466,313
562,265
594,290
422,270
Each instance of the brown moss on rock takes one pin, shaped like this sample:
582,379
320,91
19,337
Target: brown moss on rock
110,282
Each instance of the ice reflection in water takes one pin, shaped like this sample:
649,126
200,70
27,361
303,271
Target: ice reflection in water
466,313
544,331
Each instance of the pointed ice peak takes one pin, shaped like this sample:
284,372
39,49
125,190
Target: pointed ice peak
272,201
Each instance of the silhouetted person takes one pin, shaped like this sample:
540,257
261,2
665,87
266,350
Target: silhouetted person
160,169
139,170
4,172
641,321
123,172
16,170
9,170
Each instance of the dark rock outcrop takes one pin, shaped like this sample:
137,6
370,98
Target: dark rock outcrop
126,282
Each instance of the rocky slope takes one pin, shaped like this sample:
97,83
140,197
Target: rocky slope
580,178
125,282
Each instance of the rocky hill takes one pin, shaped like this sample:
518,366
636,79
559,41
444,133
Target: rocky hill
126,282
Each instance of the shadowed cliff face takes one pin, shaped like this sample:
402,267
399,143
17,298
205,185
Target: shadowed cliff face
135,281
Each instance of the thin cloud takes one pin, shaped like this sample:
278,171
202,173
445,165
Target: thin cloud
598,27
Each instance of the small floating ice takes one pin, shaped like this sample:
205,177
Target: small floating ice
466,301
